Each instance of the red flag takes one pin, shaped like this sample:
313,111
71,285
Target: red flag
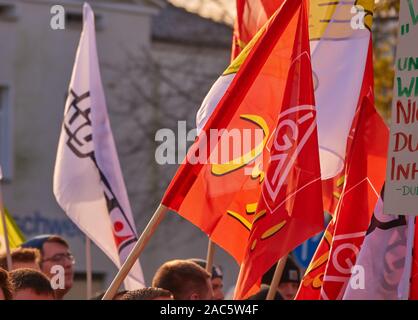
333,188
290,207
221,198
366,165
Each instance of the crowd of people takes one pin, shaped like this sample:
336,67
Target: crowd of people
34,266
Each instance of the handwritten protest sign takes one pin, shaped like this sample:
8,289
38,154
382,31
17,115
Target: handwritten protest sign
401,191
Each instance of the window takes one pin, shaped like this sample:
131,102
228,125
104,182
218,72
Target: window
5,133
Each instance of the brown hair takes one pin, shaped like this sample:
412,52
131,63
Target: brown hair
147,294
182,278
22,255
6,285
57,239
31,279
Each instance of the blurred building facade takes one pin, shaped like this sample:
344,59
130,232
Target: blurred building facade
157,62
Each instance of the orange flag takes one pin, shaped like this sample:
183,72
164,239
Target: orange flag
220,197
290,206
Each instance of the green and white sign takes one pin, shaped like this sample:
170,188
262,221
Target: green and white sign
401,190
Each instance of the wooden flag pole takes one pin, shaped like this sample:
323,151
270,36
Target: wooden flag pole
5,232
209,256
136,251
276,278
89,272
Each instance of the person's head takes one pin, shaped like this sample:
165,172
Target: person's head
119,295
23,258
150,293
6,291
29,284
289,282
185,279
216,279
54,251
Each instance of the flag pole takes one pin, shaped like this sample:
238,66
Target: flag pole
209,256
5,232
136,251
276,278
89,273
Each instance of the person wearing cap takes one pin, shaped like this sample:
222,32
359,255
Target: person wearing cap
216,279
288,285
54,251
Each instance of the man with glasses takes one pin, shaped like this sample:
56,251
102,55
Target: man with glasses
54,251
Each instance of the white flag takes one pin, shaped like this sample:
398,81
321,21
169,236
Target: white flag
88,182
383,257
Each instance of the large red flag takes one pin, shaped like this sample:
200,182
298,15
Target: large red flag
290,207
221,197
333,188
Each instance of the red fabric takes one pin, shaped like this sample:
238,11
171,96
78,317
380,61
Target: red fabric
311,284
332,189
329,271
365,172
251,16
217,204
363,205
290,206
